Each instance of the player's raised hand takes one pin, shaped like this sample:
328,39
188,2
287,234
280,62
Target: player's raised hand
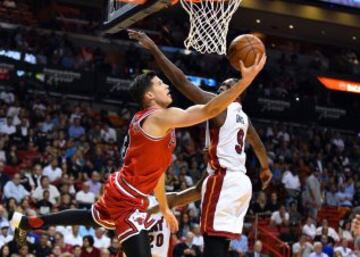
249,73
171,220
355,225
142,38
265,177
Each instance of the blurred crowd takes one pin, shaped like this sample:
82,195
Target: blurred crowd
291,71
55,155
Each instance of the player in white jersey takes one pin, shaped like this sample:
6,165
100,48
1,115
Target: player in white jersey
227,191
159,234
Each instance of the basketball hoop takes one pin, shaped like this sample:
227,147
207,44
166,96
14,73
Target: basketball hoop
209,24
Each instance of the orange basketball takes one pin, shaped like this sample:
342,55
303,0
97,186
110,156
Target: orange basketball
245,48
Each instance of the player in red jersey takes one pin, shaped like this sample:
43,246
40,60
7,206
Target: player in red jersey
123,203
227,191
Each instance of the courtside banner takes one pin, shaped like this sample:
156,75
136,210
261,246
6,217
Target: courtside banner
340,85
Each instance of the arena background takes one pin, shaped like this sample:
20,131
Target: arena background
63,102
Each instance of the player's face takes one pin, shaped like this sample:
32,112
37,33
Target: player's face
225,85
159,92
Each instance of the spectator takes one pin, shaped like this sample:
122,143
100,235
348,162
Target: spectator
108,134
327,245
345,231
94,183
239,247
184,177
312,195
187,248
338,142
7,96
5,236
344,249
24,251
274,204
52,171
34,176
73,238
309,229
291,183
76,130
54,193
115,246
85,198
100,239
198,238
295,216
260,207
44,205
280,217
344,199
48,125
3,177
56,251
318,251
257,252
77,251
329,231
303,248
42,249
8,127
65,201
59,241
3,216
88,249
330,196
185,225
5,251
13,189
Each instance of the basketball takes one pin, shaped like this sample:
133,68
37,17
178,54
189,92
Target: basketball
245,48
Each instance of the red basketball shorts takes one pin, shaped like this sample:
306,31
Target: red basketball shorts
122,208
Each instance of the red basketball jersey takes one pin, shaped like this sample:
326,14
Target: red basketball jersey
146,158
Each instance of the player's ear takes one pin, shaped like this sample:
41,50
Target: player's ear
149,95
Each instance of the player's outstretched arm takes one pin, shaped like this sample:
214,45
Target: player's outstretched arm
170,118
172,72
163,204
260,152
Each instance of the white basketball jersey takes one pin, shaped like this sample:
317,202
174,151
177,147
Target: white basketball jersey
159,234
227,143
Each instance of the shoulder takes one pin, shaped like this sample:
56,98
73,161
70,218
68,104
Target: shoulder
160,113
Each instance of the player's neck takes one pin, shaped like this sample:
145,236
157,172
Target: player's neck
153,105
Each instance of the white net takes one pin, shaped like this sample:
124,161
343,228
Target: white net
209,24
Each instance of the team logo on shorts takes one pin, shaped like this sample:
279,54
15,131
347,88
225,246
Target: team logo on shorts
139,220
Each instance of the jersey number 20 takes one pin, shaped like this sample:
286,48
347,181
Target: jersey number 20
240,141
159,240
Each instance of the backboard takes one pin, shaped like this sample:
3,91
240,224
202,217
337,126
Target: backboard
120,15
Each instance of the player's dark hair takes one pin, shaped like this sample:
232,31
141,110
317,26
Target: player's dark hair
229,83
140,85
